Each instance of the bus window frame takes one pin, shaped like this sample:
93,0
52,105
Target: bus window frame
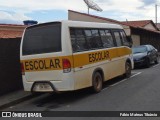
110,31
123,41
76,39
99,36
117,30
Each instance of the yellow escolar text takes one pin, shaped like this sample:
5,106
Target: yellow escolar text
42,64
98,56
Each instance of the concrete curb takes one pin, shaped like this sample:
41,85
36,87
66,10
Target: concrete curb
17,101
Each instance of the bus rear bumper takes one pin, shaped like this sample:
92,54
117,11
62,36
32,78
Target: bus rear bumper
48,86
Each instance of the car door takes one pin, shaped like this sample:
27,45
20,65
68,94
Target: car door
154,53
150,53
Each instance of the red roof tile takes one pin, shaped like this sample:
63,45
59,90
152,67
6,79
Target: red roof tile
10,34
12,25
141,23
11,30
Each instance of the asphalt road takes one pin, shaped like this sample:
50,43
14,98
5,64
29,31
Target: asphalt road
141,92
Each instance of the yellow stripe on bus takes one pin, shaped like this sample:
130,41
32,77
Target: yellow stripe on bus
77,60
99,56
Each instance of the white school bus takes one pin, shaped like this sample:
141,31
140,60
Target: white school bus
71,55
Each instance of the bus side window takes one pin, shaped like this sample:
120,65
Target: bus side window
81,41
88,35
78,40
117,38
107,39
124,39
73,40
95,42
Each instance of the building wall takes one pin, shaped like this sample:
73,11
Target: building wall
80,17
147,37
10,70
150,26
136,40
128,31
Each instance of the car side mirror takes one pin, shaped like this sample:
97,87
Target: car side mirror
129,39
156,50
149,52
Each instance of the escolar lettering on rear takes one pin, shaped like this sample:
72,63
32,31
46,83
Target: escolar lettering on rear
40,65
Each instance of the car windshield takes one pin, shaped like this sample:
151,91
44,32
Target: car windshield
140,49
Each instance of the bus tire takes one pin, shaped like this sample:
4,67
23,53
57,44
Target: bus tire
97,82
128,70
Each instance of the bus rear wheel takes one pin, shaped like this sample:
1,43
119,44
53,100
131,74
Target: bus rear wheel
128,69
97,82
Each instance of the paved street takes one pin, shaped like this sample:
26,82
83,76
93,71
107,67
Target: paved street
141,92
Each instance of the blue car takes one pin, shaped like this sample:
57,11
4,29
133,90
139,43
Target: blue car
144,55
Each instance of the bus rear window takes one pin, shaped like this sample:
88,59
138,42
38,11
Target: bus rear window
45,38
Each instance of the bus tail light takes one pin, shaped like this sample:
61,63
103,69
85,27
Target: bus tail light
22,69
66,66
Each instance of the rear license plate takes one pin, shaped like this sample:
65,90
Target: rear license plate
42,87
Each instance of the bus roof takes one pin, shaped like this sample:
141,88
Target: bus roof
82,24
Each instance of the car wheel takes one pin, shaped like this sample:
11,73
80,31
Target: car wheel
97,82
157,60
148,64
128,70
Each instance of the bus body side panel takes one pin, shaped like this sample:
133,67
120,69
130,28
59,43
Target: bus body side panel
84,65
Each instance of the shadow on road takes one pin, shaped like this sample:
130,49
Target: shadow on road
144,67
52,101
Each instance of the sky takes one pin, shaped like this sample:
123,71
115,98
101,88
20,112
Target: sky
16,11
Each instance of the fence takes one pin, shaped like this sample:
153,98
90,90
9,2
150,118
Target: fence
10,70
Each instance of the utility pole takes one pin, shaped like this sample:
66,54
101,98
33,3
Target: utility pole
156,14
88,10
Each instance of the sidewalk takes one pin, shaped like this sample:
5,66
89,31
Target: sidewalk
14,98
